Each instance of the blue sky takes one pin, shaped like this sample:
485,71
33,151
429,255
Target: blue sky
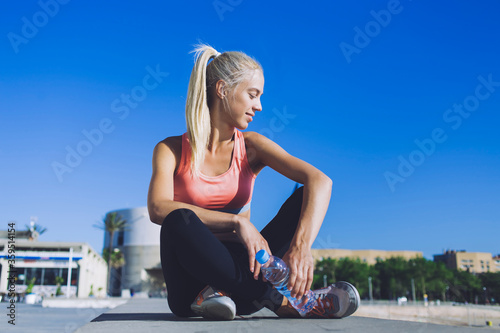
398,102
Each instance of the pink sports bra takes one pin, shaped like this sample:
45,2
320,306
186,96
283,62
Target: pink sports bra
230,192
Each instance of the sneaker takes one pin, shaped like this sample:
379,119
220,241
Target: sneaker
338,300
214,304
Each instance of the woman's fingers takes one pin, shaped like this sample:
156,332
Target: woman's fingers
258,266
308,274
300,286
257,270
251,259
300,281
310,277
296,281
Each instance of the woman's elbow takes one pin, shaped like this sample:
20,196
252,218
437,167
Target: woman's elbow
155,215
329,182
325,180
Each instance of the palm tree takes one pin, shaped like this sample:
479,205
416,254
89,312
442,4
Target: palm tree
111,224
117,258
34,230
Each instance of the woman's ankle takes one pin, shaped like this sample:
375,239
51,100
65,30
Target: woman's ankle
286,310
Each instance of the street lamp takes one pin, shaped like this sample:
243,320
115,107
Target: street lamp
413,295
370,290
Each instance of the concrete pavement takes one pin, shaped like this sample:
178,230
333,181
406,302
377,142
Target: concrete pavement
33,318
153,315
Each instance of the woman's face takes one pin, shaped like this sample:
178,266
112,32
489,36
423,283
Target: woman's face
246,101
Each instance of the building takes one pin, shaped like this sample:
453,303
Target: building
368,256
474,262
496,262
140,245
47,260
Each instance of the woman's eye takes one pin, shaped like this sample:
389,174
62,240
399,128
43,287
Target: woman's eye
252,97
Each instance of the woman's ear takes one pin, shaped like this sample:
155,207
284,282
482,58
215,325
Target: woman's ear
220,89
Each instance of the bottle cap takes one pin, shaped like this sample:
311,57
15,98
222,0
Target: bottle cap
262,257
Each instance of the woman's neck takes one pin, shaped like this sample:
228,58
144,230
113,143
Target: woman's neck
220,138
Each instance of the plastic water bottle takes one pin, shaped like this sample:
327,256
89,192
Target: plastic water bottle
276,271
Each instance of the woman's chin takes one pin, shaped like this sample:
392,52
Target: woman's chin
242,126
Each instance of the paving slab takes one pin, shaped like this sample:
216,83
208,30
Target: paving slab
34,318
153,315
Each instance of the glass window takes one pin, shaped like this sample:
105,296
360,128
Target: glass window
21,276
121,235
34,272
49,277
74,276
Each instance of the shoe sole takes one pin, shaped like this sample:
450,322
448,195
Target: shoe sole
354,299
217,308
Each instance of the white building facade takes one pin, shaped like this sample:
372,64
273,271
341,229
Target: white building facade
85,269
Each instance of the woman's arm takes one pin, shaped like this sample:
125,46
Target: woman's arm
316,198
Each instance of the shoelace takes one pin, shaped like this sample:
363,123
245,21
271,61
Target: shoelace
206,295
323,306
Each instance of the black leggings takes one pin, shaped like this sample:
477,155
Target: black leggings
192,257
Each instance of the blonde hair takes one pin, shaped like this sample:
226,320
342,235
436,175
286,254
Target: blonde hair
233,68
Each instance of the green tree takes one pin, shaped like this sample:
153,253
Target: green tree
393,278
438,277
30,285
323,267
117,258
491,281
430,278
464,287
111,224
59,281
352,270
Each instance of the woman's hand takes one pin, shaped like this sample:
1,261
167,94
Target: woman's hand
301,264
253,242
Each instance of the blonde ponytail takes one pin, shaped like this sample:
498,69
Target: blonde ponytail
197,113
231,67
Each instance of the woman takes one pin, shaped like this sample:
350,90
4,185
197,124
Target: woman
200,193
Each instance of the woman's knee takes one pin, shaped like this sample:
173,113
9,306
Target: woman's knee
299,192
177,221
179,215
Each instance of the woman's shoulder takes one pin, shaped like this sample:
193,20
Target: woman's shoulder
172,140
254,139
253,143
171,144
